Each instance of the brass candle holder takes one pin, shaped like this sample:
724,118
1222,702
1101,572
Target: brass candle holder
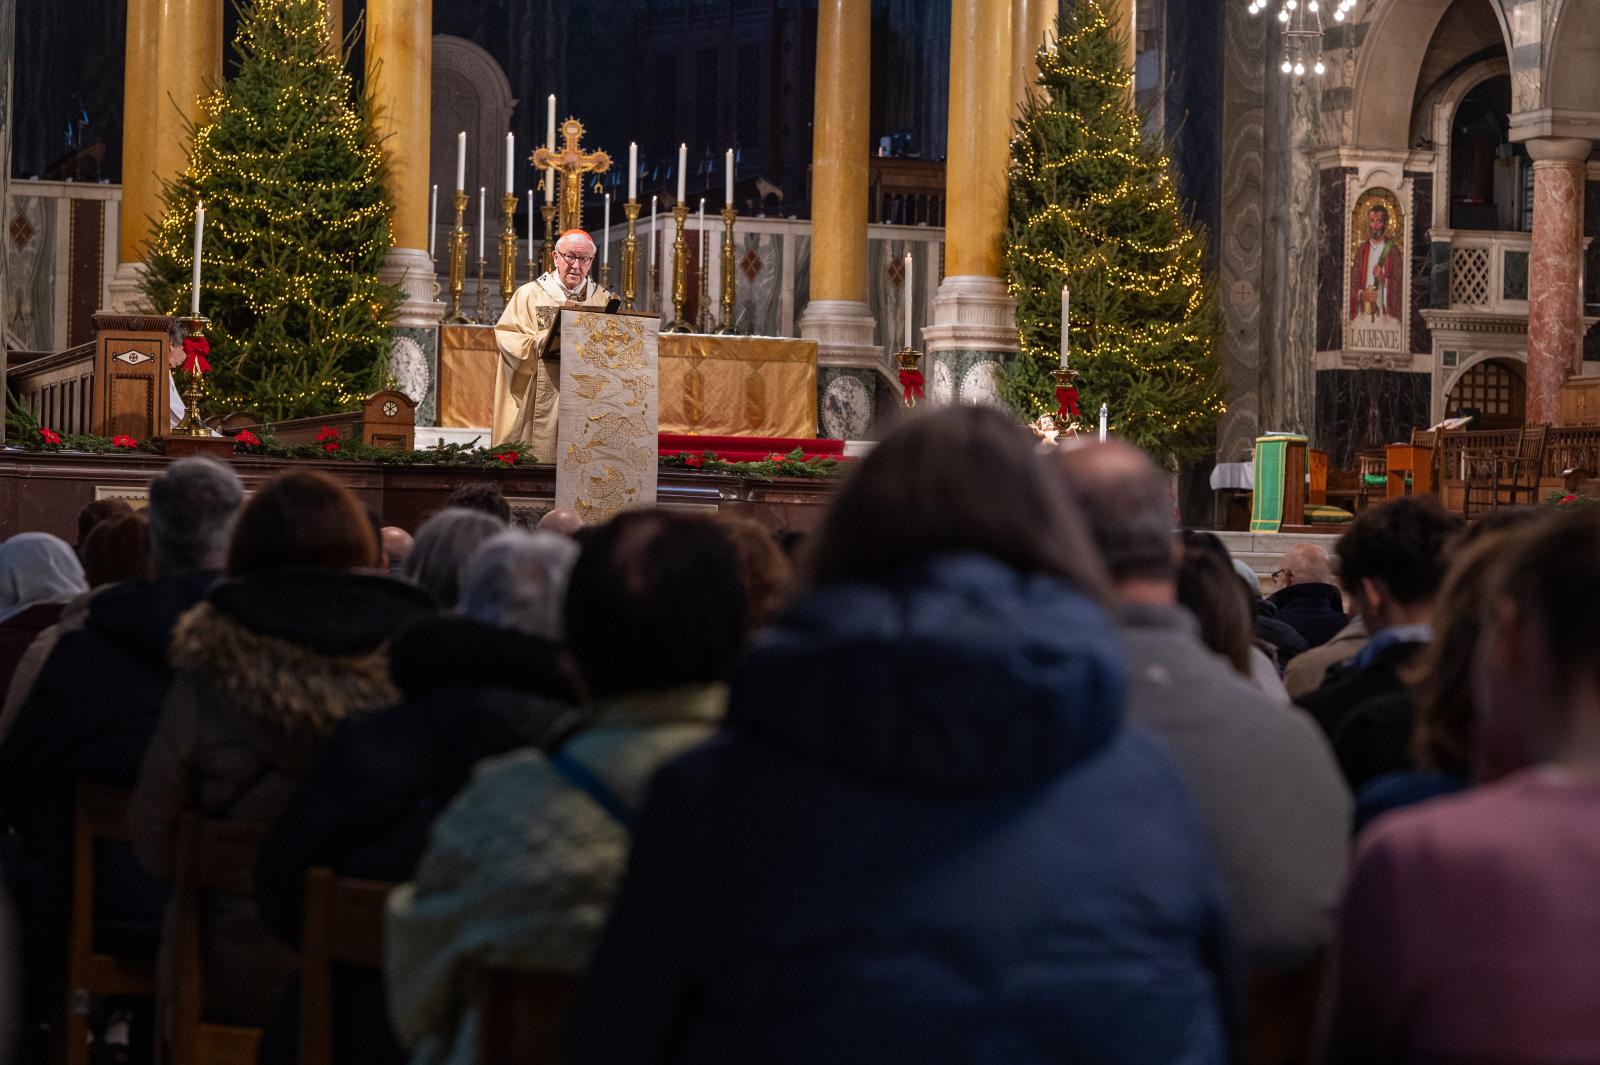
655,284
508,249
680,271
458,261
630,254
194,326
605,273
480,307
911,380
1063,378
547,256
729,214
702,302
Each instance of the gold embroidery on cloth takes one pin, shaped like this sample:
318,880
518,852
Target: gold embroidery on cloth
755,400
609,495
611,344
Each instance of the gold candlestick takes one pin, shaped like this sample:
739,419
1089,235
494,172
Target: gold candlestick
655,283
508,249
630,255
680,271
458,261
702,307
548,256
191,424
1063,379
480,308
910,376
729,214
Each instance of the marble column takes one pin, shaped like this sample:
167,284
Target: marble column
1243,231
8,57
837,316
399,59
1125,16
189,68
1032,20
973,320
1287,380
336,23
141,192
1555,272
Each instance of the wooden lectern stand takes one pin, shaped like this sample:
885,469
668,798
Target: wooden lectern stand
130,376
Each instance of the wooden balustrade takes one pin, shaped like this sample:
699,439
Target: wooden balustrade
57,389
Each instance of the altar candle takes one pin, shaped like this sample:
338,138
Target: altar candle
530,225
482,198
652,232
727,178
683,164
605,236
1103,413
550,123
461,161
433,219
1066,324
550,185
633,171
199,240
700,228
511,163
910,289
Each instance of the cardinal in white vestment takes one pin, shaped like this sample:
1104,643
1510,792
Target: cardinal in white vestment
527,389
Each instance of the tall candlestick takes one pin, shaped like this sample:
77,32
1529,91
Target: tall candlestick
727,178
633,171
550,123
511,163
482,199
700,245
652,232
605,236
683,164
461,161
433,219
199,241
1103,413
910,289
1066,324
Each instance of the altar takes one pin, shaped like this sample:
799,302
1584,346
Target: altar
710,385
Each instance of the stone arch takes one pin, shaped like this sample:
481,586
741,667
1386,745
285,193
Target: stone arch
1453,378
1388,67
1573,56
470,92
1445,108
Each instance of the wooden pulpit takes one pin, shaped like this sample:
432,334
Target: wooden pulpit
609,418
129,395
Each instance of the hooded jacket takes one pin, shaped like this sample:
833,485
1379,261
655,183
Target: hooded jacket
1315,611
266,667
925,835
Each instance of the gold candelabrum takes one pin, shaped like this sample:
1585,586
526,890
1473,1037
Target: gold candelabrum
655,282
702,308
605,271
480,308
458,260
680,271
910,388
547,256
630,255
191,424
508,249
729,214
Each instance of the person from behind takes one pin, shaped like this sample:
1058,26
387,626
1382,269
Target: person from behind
915,840
1210,589
767,571
561,520
292,642
483,497
1468,926
520,869
1307,600
1391,562
488,680
1267,784
39,575
444,547
397,545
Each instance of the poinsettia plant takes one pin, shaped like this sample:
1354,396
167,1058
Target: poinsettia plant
794,464
328,437
124,442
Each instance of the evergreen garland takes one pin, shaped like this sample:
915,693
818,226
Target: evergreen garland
297,225
1093,205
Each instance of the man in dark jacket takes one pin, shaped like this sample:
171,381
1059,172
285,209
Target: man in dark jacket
93,710
1391,561
1306,599
482,683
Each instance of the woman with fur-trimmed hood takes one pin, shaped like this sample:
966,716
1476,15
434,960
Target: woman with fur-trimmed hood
295,640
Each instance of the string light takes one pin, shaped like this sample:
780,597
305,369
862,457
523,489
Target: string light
1302,32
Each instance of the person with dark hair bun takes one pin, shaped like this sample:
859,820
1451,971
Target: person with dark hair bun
1469,924
483,497
915,839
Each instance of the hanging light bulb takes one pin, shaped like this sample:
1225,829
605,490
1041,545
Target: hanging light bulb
1303,31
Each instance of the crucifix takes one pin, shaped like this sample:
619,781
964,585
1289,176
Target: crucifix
573,163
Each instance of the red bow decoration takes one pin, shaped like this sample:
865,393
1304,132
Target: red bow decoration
911,384
1067,403
196,349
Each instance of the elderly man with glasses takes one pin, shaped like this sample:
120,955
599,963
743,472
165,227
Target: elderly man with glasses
527,387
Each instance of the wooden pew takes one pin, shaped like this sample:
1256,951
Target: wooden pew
522,1016
343,925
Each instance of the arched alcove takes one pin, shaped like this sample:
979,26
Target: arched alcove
1493,388
471,93
1571,81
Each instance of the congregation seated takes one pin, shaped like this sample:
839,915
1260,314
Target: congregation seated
292,642
521,868
1273,802
39,576
488,680
1209,587
912,841
1310,668
438,559
482,496
1307,599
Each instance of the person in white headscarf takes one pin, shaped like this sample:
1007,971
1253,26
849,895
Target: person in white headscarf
39,574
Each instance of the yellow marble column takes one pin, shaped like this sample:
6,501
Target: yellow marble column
189,68
1031,21
140,190
400,77
979,136
336,22
1124,15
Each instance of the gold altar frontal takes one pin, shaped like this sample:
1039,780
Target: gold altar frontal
710,385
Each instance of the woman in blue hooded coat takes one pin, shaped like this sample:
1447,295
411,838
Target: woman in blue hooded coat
926,833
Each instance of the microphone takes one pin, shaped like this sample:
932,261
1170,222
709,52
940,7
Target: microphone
613,305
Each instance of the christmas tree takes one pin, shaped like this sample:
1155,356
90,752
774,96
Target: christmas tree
297,225
1094,207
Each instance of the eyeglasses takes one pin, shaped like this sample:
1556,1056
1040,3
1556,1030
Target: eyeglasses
1279,574
575,260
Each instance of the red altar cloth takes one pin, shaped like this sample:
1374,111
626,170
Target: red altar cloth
748,448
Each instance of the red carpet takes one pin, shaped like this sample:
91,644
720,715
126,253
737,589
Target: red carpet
748,448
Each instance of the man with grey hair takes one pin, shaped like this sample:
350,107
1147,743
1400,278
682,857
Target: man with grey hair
484,682
1267,784
527,385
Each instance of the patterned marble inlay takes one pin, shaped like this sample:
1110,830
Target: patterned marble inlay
1359,409
1330,272
1421,260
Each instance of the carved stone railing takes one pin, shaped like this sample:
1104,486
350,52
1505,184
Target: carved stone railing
57,389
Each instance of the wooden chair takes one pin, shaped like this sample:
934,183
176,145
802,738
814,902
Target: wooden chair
214,857
1512,477
343,925
1372,476
522,1016
100,814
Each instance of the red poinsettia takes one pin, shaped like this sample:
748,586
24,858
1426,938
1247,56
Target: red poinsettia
509,457
776,457
328,437
246,438
694,462
124,442
49,436
1566,500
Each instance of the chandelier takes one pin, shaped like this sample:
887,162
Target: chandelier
1302,32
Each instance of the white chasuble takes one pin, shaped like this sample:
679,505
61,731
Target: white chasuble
527,389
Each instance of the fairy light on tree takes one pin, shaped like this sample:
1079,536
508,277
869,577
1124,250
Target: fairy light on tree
1303,32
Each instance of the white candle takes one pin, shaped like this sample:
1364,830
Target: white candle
511,162
633,171
1066,324
605,235
461,161
433,219
700,228
652,232
1103,423
550,185
482,198
199,241
530,225
727,178
910,289
550,123
683,164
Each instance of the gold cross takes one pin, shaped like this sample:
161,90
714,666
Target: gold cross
573,163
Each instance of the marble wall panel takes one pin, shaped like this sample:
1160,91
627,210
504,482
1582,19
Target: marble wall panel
1330,260
886,292
30,234
1421,260
1358,409
1591,282
1241,234
760,281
